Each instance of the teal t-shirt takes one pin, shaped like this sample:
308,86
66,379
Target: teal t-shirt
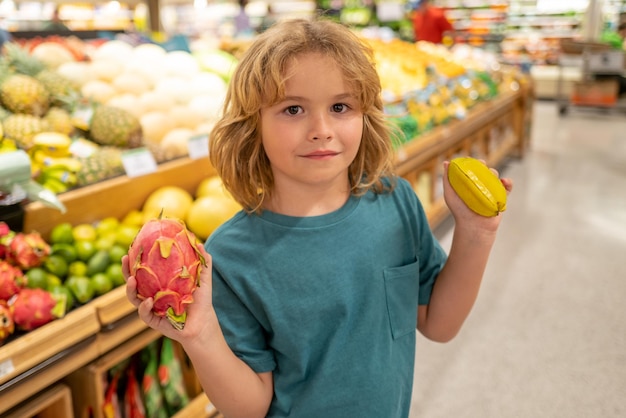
329,303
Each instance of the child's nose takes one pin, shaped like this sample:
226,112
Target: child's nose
321,128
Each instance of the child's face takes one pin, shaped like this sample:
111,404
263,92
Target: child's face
313,135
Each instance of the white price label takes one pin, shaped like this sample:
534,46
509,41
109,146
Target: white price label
198,146
138,162
6,367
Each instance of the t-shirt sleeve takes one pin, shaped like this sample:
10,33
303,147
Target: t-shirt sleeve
243,333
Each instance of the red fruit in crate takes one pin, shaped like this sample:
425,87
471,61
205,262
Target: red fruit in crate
11,280
5,237
33,308
7,326
166,261
28,250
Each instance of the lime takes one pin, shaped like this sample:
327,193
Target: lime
106,241
107,225
98,262
56,265
77,268
37,278
117,252
63,290
85,249
62,233
125,235
67,251
84,232
81,288
114,271
53,281
101,283
133,218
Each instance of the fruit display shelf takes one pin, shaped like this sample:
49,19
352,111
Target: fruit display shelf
492,131
38,359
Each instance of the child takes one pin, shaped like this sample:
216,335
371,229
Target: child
317,288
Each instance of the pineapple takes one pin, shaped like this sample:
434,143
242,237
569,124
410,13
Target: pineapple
103,164
61,90
116,127
22,128
4,113
20,93
59,120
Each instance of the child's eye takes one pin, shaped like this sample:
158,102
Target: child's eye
292,110
339,107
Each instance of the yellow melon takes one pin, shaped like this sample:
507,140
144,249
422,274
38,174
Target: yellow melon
173,201
207,213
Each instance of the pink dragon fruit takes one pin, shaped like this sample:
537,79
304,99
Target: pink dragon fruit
28,250
33,308
5,237
11,280
166,261
7,326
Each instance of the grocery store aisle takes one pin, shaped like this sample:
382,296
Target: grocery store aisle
547,336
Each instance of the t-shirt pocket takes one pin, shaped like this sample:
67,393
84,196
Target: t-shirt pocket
402,291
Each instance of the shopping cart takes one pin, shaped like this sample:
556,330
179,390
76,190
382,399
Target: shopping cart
600,68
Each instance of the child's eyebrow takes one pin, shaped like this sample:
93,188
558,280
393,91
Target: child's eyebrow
340,96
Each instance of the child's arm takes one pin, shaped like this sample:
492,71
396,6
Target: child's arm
231,385
456,287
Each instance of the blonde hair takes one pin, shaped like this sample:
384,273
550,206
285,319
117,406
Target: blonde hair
235,146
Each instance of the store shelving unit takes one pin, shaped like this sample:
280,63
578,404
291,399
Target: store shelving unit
480,23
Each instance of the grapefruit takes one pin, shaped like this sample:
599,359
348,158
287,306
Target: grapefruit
209,212
211,186
173,201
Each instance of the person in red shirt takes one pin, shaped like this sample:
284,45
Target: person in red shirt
430,22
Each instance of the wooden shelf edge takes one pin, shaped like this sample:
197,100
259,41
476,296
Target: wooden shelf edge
112,306
199,407
40,344
58,393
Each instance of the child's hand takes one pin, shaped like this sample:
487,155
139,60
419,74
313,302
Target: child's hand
198,312
462,214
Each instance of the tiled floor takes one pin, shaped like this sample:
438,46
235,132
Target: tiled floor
547,336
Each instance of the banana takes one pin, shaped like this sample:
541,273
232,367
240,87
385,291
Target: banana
54,144
480,189
65,163
7,145
67,177
55,185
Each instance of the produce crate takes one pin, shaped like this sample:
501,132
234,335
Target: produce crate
33,348
88,383
113,306
55,402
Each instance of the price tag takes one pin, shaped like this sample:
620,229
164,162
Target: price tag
81,117
6,367
82,148
138,162
198,146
